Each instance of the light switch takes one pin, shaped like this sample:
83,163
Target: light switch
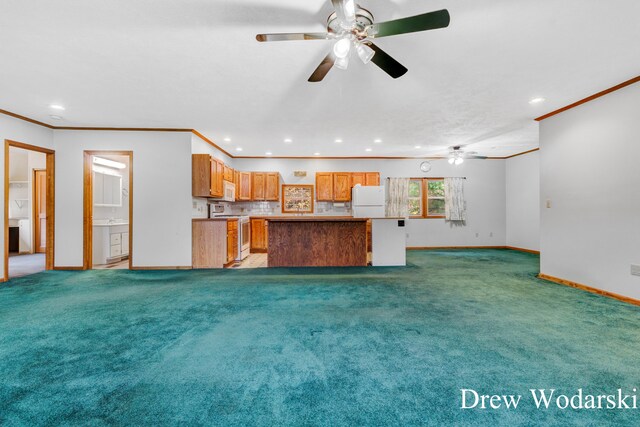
548,204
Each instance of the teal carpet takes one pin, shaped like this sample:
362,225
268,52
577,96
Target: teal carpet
365,346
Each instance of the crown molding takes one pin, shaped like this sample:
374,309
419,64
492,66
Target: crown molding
590,98
216,146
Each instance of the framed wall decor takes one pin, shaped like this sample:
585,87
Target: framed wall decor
297,199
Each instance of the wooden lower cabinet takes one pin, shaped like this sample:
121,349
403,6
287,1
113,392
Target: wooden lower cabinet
259,235
209,243
232,240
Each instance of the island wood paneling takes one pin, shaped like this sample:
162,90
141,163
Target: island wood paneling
317,243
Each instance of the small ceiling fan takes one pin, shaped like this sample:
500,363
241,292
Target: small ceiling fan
457,156
353,28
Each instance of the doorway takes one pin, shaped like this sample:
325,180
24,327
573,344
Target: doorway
108,210
29,185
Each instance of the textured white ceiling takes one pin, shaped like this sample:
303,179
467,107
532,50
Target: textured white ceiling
196,64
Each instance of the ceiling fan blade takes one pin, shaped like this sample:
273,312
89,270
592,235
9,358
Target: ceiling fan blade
476,157
322,70
278,37
412,24
387,63
346,11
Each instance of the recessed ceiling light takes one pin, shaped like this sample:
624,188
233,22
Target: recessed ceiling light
54,117
316,154
377,141
239,149
227,140
537,100
288,141
57,107
338,141
418,146
268,153
368,149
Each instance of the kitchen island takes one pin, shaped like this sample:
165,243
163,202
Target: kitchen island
317,241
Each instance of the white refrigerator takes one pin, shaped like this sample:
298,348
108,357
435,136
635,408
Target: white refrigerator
368,202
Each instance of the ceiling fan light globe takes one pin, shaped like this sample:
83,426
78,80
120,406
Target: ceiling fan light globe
365,53
342,63
459,161
342,48
451,160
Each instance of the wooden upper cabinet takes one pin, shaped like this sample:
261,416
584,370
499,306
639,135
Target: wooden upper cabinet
227,174
358,178
372,179
272,186
201,175
324,186
236,180
341,186
217,178
258,180
244,182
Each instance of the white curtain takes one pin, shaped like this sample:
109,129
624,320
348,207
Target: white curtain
455,208
398,200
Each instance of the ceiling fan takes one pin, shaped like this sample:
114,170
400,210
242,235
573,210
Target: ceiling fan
457,156
353,28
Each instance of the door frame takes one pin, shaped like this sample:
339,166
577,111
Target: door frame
50,205
34,212
87,204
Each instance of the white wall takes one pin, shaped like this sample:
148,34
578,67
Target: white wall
523,201
25,132
484,191
161,194
590,173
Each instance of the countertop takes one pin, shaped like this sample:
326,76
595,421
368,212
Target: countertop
214,219
315,219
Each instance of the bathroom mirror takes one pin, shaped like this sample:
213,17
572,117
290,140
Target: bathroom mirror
107,190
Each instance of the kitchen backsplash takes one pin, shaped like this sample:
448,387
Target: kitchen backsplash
199,208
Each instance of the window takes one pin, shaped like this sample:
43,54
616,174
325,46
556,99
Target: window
426,198
415,198
435,197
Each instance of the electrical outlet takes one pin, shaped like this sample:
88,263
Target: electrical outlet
491,234
477,234
635,270
548,204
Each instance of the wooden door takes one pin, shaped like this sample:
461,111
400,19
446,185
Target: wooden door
272,187
341,186
40,209
324,186
358,178
244,193
372,178
258,185
236,181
